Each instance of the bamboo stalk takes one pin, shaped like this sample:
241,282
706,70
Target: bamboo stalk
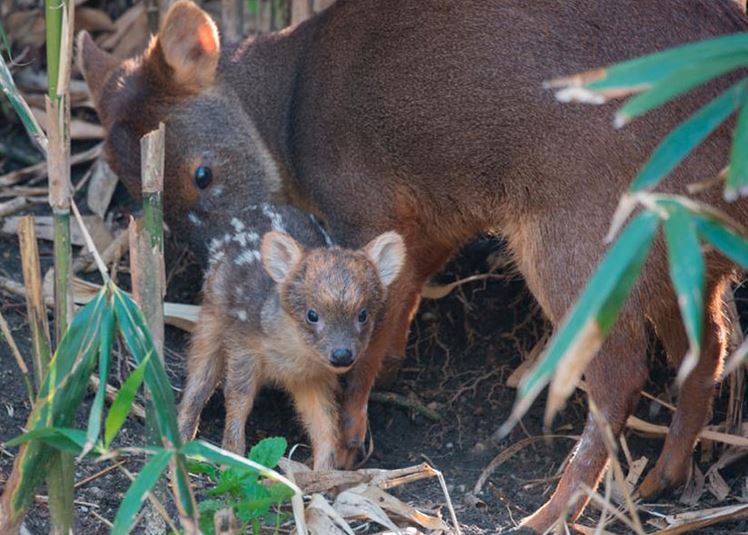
151,9
149,275
232,20
301,10
59,19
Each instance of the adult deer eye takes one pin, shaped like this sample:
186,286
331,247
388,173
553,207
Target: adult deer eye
203,176
312,316
363,316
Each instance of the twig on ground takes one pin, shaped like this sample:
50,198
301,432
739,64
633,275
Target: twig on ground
411,403
506,454
5,329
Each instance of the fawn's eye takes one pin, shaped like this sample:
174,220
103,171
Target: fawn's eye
363,316
312,316
203,176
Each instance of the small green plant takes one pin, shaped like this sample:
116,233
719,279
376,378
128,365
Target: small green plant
250,496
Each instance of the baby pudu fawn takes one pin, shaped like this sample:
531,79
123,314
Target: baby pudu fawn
287,309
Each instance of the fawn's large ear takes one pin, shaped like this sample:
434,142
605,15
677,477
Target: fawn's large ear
189,42
280,255
95,64
387,252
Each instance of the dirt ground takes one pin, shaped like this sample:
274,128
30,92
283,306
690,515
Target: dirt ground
462,350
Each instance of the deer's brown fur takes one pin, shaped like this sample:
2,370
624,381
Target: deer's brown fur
253,328
429,117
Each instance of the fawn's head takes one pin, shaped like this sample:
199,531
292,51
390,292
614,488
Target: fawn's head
334,296
208,159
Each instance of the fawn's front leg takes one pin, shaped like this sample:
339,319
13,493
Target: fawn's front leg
316,404
243,380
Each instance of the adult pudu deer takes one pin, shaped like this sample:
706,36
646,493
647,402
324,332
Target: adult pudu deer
428,117
289,310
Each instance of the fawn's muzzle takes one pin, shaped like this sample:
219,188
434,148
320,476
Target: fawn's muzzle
341,357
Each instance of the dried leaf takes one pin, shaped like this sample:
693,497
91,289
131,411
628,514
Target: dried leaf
130,34
716,484
353,504
694,487
100,233
394,506
26,28
694,520
92,20
101,187
322,519
79,129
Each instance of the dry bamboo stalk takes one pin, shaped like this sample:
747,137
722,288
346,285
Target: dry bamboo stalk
34,302
151,9
147,238
149,275
264,16
232,20
301,10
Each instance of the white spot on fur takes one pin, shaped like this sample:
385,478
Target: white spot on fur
239,314
237,224
276,221
192,216
250,256
216,191
325,235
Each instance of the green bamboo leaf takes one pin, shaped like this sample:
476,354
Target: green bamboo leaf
686,136
64,439
22,108
105,352
648,70
582,332
687,271
729,241
138,339
140,343
4,41
58,399
737,176
676,84
202,451
123,402
138,491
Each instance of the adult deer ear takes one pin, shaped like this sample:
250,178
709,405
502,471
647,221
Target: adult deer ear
280,255
387,252
95,64
189,42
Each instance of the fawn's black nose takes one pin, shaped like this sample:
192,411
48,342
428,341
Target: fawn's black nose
341,357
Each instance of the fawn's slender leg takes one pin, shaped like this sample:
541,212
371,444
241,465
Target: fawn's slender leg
695,398
614,378
318,409
204,371
240,390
